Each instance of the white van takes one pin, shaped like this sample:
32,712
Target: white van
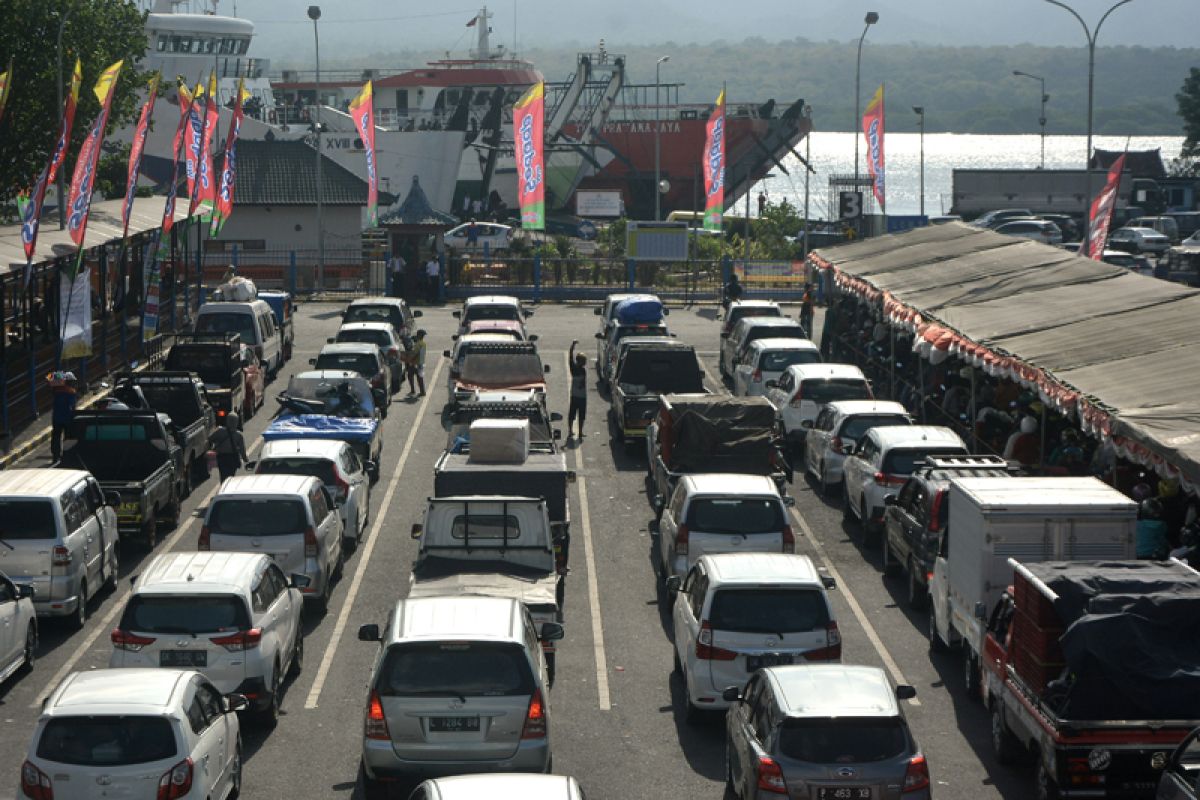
60,537
254,321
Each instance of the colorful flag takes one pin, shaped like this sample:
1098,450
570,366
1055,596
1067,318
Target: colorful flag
528,121
872,125
714,167
206,184
187,103
1102,211
224,207
5,87
84,180
362,109
75,304
68,121
135,154
194,137
471,24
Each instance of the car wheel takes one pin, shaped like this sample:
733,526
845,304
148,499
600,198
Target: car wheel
297,663
321,604
170,520
235,773
936,645
678,665
847,506
730,786
864,521
917,594
150,531
1005,746
825,484
890,566
80,617
971,673
340,568
29,654
372,789
114,573
1044,787
269,716
694,716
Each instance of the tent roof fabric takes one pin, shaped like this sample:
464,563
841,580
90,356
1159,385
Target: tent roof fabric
1120,348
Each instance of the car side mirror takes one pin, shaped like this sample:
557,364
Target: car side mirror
905,692
371,468
533,337
732,694
555,416
112,499
891,500
527,313
24,590
724,334
456,314
368,633
789,501
557,434
418,313
235,702
312,362
600,336
454,337
666,311
674,583
551,632
598,311
445,354
773,384
298,581
546,368
828,582
417,530
807,424
331,340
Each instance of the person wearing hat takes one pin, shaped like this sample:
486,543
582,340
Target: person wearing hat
414,365
65,395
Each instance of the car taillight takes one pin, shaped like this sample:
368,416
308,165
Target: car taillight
704,646
375,726
935,512
770,776
797,399
35,784
836,444
789,539
916,777
60,556
393,353
202,542
884,479
757,376
242,640
681,540
177,781
832,651
377,381
341,487
124,640
310,542
535,718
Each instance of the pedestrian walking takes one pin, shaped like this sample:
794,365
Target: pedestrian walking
229,446
762,203
414,363
433,272
398,265
807,306
65,393
578,406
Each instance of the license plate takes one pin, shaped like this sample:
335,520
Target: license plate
767,660
453,724
183,658
844,793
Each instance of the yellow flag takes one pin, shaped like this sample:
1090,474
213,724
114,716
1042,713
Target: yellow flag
212,85
76,81
243,92
721,98
363,97
107,82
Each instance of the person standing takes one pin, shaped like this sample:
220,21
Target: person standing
229,446
578,406
472,234
807,309
398,265
762,203
433,272
62,385
414,364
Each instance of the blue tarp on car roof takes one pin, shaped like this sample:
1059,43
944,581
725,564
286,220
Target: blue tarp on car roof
319,426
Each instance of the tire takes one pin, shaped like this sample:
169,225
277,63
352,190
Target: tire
936,645
30,652
891,567
730,786
693,716
825,486
150,531
971,674
1044,787
171,518
678,665
372,790
847,512
79,619
235,789
550,665
1005,746
297,663
864,522
918,595
114,575
268,718
321,604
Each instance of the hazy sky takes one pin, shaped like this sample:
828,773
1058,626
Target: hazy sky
361,28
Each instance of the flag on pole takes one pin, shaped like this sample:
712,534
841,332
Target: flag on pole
68,121
873,130
5,87
224,208
135,154
714,167
471,24
84,180
194,136
1102,211
528,121
362,109
206,184
187,102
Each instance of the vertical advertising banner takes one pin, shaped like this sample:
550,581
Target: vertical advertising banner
362,110
714,167
224,209
75,300
206,183
193,136
84,180
5,87
68,121
528,122
135,154
187,103
150,311
1102,211
872,125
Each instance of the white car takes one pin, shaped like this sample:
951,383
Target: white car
339,468
802,390
524,785
234,617
1139,240
882,462
18,628
838,428
490,307
738,612
494,236
380,334
722,513
135,733
1039,230
291,518
736,344
748,308
766,359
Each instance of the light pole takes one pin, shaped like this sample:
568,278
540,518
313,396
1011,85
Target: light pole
657,143
920,112
314,13
870,20
1091,35
62,201
807,111
1042,118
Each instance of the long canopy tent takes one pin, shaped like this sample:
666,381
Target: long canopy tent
1118,349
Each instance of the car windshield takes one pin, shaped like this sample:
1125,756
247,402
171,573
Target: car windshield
903,462
205,613
828,390
228,322
365,364
257,517
107,741
774,611
476,313
27,519
480,669
388,314
211,364
846,740
779,360
856,427
742,515
367,335
320,468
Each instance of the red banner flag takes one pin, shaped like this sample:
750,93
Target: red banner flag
224,209
1102,211
68,121
872,125
714,167
362,109
135,154
206,184
528,122
187,104
192,138
84,180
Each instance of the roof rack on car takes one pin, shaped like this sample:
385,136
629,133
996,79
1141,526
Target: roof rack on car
969,462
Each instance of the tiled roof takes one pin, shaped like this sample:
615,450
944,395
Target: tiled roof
283,173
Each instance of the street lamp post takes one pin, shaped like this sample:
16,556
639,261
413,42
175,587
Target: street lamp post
314,13
871,18
1042,118
807,111
657,142
920,112
1091,35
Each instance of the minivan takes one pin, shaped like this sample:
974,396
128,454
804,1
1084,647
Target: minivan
804,389
750,328
254,321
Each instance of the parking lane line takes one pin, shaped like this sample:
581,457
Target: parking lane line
889,663
364,557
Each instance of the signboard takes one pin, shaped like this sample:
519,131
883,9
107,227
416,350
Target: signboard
598,204
900,223
656,241
772,272
850,205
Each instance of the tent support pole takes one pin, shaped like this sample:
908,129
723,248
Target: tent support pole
971,422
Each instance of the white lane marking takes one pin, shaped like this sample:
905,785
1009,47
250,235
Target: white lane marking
593,585
118,603
889,663
364,557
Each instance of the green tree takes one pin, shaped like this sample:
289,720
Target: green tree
98,32
1189,109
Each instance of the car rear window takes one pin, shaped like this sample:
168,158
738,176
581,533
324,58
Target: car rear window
476,313
903,462
228,322
829,390
27,519
364,364
745,515
264,517
205,613
768,610
738,313
480,669
387,314
320,468
848,740
107,741
775,332
212,364
856,427
380,338
779,360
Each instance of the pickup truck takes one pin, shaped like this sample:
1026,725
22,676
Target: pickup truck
693,434
182,397
217,359
646,370
1090,668
498,366
494,545
331,404
133,454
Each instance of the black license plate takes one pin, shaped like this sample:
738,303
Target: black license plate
767,660
844,793
183,658
453,724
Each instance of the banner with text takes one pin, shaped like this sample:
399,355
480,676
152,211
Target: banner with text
714,167
83,181
873,130
224,209
528,121
362,109
135,154
1102,211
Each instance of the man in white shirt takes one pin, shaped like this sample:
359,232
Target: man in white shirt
433,274
398,265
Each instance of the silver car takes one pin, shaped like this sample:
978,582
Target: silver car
522,785
822,732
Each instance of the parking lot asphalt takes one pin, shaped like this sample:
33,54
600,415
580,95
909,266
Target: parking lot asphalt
617,711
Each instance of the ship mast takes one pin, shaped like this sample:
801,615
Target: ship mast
483,48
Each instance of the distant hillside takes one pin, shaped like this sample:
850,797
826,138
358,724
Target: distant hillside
966,90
